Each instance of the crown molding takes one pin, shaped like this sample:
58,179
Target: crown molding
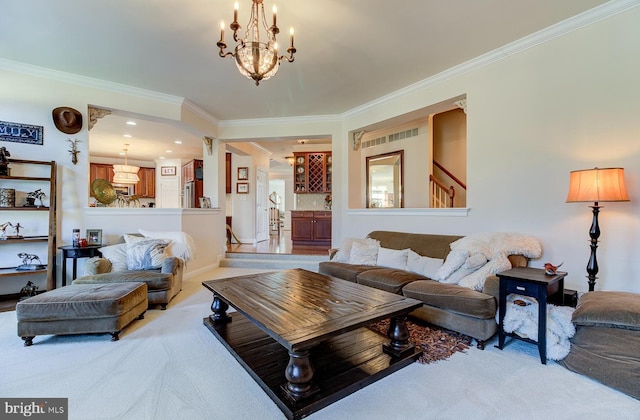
200,112
574,23
85,81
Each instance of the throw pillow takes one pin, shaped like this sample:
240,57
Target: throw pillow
147,254
392,258
454,260
117,254
182,244
344,252
364,253
426,266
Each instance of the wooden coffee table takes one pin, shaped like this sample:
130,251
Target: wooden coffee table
302,335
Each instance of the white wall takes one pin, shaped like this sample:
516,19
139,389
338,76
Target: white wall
532,118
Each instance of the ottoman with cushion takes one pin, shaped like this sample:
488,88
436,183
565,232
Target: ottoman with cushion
606,346
81,309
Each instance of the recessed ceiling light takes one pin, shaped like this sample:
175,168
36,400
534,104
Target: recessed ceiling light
177,141
132,123
161,157
128,136
121,153
169,151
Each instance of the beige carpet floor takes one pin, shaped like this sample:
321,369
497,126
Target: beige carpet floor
169,366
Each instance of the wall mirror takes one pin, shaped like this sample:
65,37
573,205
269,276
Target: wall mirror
385,180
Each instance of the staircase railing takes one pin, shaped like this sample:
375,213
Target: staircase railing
441,195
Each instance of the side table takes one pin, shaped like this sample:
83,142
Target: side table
533,282
74,252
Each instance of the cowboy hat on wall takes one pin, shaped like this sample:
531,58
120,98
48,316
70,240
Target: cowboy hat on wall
67,120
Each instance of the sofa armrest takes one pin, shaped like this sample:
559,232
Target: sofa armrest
492,286
171,265
97,265
332,253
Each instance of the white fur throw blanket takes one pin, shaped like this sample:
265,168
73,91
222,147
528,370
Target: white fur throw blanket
523,321
475,257
491,243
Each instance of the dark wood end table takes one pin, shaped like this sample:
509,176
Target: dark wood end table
533,282
75,252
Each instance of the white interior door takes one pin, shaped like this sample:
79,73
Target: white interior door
262,207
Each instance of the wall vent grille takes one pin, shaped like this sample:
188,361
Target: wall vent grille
403,135
374,142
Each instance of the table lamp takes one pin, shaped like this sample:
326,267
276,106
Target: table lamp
596,185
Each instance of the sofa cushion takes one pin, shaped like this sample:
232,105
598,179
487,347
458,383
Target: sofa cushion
388,279
154,279
452,298
343,271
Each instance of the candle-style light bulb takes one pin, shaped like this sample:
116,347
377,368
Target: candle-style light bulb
222,31
275,12
291,34
236,6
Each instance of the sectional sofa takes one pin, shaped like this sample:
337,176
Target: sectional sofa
450,306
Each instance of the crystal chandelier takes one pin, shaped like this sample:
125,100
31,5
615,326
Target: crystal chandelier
256,57
125,174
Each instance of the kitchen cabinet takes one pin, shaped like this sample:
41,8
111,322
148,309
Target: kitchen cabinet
146,187
312,172
38,221
192,174
99,171
311,227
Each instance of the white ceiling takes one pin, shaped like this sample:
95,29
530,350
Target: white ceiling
349,52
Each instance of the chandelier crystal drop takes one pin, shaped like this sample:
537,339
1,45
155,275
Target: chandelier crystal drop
257,53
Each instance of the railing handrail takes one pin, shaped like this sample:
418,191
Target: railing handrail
448,190
450,175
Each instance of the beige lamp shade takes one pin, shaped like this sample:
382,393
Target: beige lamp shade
125,174
597,184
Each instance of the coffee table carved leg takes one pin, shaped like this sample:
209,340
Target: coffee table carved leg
219,308
398,332
299,373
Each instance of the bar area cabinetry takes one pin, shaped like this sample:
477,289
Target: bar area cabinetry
311,227
312,172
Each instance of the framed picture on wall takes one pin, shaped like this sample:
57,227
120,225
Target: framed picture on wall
243,173
167,170
242,188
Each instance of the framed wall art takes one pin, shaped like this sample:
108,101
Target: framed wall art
242,188
243,173
167,170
